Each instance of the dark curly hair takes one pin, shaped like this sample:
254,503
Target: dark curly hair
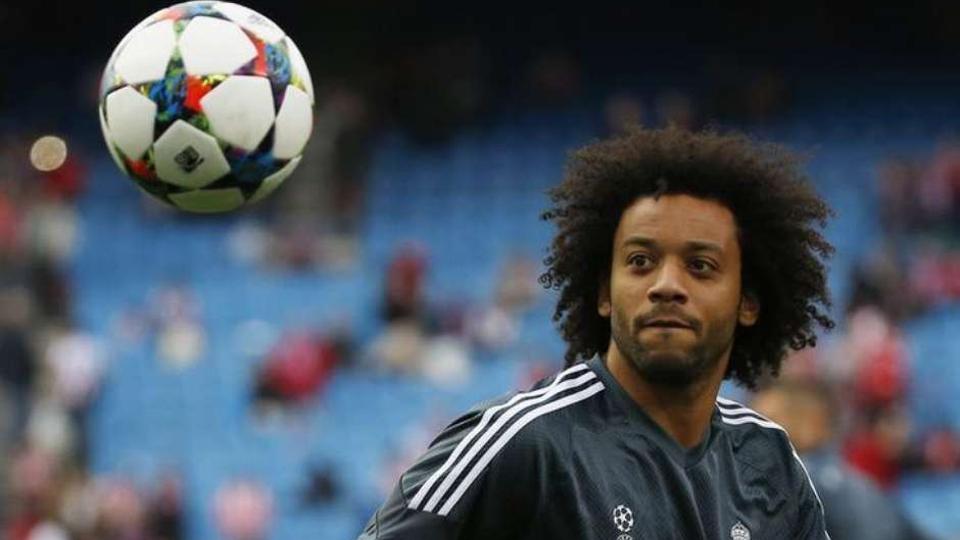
778,215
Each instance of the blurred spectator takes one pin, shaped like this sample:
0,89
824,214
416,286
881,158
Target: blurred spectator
17,364
446,361
854,508
517,287
941,450
900,211
497,326
879,281
50,230
879,446
449,316
165,520
243,510
351,123
76,364
298,368
322,487
51,290
493,328
399,347
50,428
123,511
882,445
935,274
80,505
176,312
10,223
882,371
32,476
403,287
870,360
920,205
940,192
67,181
48,530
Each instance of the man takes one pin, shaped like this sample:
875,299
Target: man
681,259
858,508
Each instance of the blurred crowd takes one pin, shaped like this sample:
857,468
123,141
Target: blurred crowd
51,368
844,403
437,342
920,205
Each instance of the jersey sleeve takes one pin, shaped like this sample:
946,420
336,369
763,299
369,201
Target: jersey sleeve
811,524
474,476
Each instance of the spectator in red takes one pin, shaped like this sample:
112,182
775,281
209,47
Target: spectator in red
857,509
878,447
297,368
66,181
880,361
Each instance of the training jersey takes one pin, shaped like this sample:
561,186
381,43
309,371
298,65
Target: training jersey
575,458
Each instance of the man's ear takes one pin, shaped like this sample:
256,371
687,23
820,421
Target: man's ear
749,310
603,299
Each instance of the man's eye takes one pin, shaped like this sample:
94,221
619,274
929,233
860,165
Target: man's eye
701,265
639,260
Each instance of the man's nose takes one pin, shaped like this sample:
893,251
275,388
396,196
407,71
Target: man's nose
668,286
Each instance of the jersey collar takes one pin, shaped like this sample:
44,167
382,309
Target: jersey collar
638,421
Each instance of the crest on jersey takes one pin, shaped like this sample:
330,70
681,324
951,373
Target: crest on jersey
739,532
623,518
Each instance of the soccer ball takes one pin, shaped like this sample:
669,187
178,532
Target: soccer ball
206,106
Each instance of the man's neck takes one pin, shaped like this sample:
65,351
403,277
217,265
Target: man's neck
683,412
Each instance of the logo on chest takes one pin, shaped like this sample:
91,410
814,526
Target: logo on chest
739,532
623,519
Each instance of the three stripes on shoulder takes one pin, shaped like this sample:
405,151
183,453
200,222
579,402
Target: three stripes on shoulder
735,414
497,426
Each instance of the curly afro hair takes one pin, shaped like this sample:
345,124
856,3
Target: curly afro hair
779,219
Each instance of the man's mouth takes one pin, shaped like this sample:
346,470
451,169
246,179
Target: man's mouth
668,323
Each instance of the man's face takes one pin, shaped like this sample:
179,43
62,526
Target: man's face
674,297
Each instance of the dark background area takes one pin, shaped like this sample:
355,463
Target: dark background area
53,51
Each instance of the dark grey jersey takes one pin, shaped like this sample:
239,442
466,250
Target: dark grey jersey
575,458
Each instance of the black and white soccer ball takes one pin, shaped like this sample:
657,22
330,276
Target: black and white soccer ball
206,106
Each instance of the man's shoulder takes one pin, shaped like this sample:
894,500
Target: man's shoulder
507,439
754,438
542,414
763,450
